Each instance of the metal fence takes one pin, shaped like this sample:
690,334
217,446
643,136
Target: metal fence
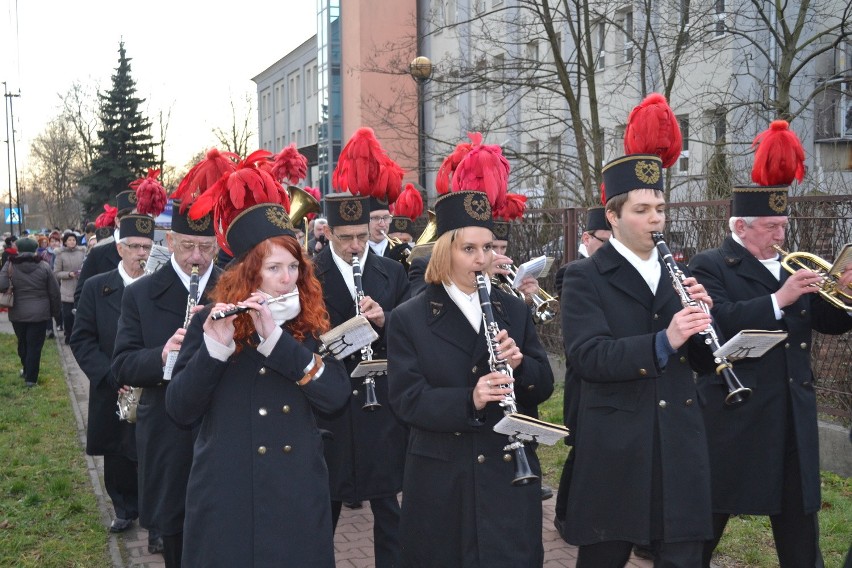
818,224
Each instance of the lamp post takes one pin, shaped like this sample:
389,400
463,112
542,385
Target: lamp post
421,71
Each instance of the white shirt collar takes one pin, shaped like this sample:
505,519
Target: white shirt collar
379,247
584,252
345,268
773,265
184,277
649,270
125,277
468,303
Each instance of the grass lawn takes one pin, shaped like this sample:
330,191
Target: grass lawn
48,513
748,540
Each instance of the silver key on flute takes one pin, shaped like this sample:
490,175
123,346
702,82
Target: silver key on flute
240,309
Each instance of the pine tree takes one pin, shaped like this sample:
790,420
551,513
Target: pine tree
125,147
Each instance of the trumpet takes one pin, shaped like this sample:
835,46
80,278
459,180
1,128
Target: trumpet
127,403
545,307
829,287
240,309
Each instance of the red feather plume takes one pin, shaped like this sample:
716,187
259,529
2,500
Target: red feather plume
365,169
409,204
652,128
451,162
107,218
484,169
204,175
250,183
603,194
151,196
779,158
513,208
289,166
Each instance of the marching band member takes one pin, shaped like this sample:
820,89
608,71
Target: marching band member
258,491
594,236
764,456
460,507
366,455
151,325
93,342
380,220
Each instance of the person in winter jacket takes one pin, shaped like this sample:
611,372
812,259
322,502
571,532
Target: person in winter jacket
66,267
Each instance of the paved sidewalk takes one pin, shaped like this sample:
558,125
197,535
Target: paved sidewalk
353,542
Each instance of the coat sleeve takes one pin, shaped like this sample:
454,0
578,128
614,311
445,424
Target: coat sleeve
52,291
595,353
133,363
59,268
4,277
84,340
416,275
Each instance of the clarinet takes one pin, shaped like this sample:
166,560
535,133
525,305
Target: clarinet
737,393
191,302
371,403
523,472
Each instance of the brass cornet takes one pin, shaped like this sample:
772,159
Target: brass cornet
829,287
545,306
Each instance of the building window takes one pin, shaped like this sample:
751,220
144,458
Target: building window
625,23
720,125
683,161
720,18
685,21
555,150
558,41
532,51
451,12
599,45
479,6
534,159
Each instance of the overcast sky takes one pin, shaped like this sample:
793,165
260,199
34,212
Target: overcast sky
188,56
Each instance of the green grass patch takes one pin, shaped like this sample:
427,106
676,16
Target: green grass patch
48,512
747,542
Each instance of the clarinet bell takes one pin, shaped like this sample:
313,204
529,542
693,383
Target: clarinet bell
737,393
371,403
523,472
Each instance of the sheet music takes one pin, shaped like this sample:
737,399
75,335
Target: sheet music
548,265
750,343
349,337
844,259
530,429
533,267
372,367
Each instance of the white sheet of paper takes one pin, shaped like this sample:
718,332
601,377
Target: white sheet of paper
750,343
533,267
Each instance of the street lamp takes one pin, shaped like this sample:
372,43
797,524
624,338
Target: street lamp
421,71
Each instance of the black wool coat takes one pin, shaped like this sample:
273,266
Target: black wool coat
258,491
98,260
459,507
747,443
641,470
92,342
152,309
366,455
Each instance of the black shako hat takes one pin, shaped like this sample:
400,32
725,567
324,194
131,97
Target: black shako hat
125,201
102,233
343,209
634,171
596,220
401,225
183,224
463,209
759,201
135,225
256,224
378,204
501,230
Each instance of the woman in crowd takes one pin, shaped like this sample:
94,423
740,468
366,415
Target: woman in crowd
36,300
258,492
66,267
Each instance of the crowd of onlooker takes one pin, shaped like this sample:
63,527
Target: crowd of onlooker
42,270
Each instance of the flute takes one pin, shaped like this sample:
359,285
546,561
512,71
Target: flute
240,309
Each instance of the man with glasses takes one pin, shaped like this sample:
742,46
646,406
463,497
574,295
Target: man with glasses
380,220
366,455
92,342
597,233
152,325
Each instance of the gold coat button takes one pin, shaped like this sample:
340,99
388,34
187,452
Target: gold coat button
530,387
355,392
287,449
786,346
262,371
507,457
662,404
682,359
689,402
474,370
804,312
791,380
643,372
806,384
804,345
261,450
456,433
262,411
286,409
480,458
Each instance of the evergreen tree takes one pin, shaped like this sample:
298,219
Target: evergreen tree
125,147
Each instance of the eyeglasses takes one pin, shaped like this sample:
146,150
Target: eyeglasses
362,237
189,246
594,236
136,247
381,219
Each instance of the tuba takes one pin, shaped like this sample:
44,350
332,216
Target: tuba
829,287
545,307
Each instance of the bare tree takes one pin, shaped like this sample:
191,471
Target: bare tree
80,110
236,137
56,165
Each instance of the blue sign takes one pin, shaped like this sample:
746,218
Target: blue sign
13,216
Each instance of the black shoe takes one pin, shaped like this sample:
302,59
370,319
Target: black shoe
642,551
353,504
155,545
546,492
120,525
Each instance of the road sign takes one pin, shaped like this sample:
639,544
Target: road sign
13,216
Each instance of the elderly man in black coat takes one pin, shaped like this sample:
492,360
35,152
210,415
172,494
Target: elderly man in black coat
92,342
366,456
153,314
641,472
764,455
